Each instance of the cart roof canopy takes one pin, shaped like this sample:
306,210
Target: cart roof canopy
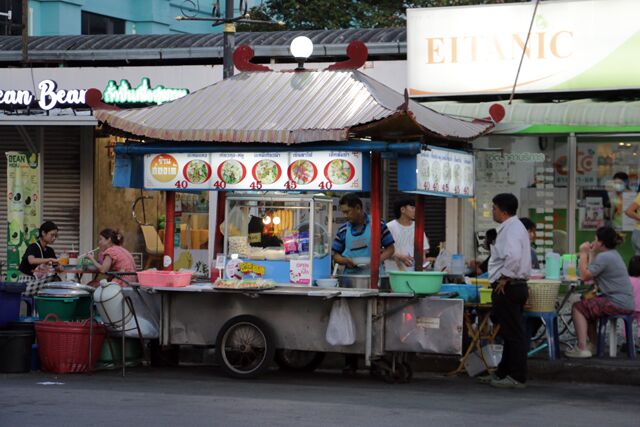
292,107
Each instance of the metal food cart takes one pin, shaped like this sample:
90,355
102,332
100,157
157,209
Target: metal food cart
250,327
247,327
335,110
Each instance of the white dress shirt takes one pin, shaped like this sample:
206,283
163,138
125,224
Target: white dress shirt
511,254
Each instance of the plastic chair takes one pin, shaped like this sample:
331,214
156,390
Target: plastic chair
550,320
613,345
153,244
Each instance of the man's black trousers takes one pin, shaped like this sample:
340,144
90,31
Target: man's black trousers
507,311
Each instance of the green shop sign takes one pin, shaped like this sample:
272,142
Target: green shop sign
142,94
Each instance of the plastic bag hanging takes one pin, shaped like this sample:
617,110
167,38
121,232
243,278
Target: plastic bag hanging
341,329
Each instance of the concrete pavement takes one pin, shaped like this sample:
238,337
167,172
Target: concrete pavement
203,397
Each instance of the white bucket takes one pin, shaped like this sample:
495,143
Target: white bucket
492,354
109,302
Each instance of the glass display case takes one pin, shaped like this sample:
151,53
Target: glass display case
191,239
284,238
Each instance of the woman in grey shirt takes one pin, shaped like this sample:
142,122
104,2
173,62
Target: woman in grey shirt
600,261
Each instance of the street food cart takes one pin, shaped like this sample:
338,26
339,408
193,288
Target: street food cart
280,136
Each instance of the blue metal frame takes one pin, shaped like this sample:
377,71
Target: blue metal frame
129,161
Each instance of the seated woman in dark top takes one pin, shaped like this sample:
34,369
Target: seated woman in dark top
40,253
489,239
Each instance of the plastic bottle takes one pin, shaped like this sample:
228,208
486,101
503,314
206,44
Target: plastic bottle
457,265
572,273
552,266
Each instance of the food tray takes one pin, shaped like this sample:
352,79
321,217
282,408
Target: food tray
250,285
169,279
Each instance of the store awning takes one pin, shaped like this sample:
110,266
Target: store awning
576,116
55,117
293,107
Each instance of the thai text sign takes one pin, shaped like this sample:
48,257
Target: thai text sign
437,171
573,46
297,171
141,94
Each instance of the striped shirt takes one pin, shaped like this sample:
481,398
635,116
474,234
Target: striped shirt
386,239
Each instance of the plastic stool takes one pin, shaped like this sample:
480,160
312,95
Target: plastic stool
550,320
602,330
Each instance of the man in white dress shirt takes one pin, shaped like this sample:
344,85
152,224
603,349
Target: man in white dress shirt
403,230
509,269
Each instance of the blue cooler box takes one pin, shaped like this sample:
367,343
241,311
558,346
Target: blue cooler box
469,293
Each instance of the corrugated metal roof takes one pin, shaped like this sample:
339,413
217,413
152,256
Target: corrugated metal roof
291,107
580,113
380,41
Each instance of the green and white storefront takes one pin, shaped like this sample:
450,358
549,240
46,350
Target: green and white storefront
574,123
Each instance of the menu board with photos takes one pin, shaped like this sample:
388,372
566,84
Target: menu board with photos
437,171
295,171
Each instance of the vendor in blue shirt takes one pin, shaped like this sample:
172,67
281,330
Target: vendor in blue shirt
354,237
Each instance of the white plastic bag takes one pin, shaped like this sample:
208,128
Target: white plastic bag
238,222
443,261
341,330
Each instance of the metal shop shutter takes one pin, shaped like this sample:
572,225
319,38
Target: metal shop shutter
435,210
61,186
61,183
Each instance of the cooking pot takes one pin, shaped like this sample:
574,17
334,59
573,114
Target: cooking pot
68,285
62,293
361,281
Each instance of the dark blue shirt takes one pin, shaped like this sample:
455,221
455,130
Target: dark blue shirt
386,239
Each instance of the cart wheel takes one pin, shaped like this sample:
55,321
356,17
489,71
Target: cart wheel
298,360
244,347
403,373
409,371
381,369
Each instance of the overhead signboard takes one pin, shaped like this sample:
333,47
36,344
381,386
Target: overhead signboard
573,46
50,96
437,171
298,171
124,93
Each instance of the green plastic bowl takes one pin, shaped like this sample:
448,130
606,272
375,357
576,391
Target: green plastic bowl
420,282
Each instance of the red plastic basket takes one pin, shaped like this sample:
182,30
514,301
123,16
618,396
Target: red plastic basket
170,279
64,346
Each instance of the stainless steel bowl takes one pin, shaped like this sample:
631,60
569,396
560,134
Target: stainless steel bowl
361,281
75,286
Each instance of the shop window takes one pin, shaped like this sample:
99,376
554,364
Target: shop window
13,26
607,178
92,23
523,166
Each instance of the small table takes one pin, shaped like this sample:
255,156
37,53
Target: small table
79,270
484,331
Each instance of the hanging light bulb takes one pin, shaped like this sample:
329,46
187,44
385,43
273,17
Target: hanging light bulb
276,220
266,220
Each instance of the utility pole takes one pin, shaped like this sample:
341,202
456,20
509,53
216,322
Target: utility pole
229,29
25,31
229,39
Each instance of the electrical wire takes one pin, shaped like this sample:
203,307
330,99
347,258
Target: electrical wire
524,51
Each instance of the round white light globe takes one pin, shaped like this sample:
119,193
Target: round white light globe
301,47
